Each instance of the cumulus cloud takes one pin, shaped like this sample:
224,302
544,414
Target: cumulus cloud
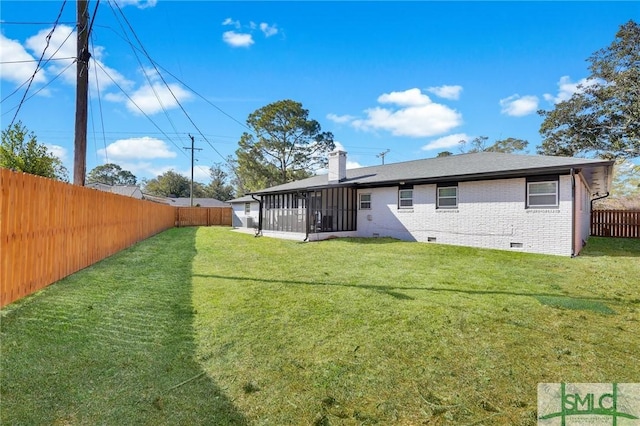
414,115
231,22
447,141
18,72
57,151
340,119
268,30
152,98
143,148
518,106
566,89
446,92
242,36
235,39
140,4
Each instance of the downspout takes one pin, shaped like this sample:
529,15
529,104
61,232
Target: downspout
259,214
596,199
573,212
307,204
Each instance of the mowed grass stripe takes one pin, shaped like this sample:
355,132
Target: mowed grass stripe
108,345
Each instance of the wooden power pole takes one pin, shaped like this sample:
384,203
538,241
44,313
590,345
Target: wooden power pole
193,150
82,88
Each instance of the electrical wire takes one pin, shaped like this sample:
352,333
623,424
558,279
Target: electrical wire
140,109
144,72
35,60
104,139
40,89
48,39
169,87
184,84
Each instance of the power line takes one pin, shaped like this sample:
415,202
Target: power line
137,106
183,83
151,85
35,60
48,39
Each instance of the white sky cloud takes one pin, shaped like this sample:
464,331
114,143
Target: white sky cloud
152,98
518,106
446,92
268,30
235,39
340,119
566,89
140,4
58,151
12,50
131,149
417,116
450,141
231,22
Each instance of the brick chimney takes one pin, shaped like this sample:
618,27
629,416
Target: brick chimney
337,166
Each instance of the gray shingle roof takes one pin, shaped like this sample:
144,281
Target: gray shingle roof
476,166
201,202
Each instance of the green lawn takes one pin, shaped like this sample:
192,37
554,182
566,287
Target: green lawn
209,326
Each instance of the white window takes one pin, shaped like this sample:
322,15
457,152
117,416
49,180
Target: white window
542,194
405,198
447,197
365,201
247,208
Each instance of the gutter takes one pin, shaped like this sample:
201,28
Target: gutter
259,215
573,212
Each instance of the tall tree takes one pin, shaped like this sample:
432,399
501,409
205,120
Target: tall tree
508,145
603,117
111,174
172,184
219,187
287,146
20,151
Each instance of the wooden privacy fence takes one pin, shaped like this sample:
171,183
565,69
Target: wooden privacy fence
203,216
615,223
50,229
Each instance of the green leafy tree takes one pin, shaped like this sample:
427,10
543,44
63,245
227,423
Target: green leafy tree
444,154
219,188
603,117
172,184
479,144
20,151
287,146
111,174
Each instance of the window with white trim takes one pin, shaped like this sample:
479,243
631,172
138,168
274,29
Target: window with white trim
447,197
542,194
365,201
405,198
247,208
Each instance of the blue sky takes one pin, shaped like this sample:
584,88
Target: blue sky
413,78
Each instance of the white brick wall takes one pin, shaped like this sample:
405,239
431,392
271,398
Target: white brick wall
239,214
490,214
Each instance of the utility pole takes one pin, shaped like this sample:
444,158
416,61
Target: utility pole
82,88
192,160
382,154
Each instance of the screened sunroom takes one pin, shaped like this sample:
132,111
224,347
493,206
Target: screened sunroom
311,211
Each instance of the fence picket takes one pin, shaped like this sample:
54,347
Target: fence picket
615,223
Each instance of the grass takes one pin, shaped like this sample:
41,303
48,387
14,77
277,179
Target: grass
345,331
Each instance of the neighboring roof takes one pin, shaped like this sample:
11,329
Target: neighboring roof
462,167
245,199
126,190
202,202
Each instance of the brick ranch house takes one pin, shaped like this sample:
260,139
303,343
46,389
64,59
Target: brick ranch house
535,204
